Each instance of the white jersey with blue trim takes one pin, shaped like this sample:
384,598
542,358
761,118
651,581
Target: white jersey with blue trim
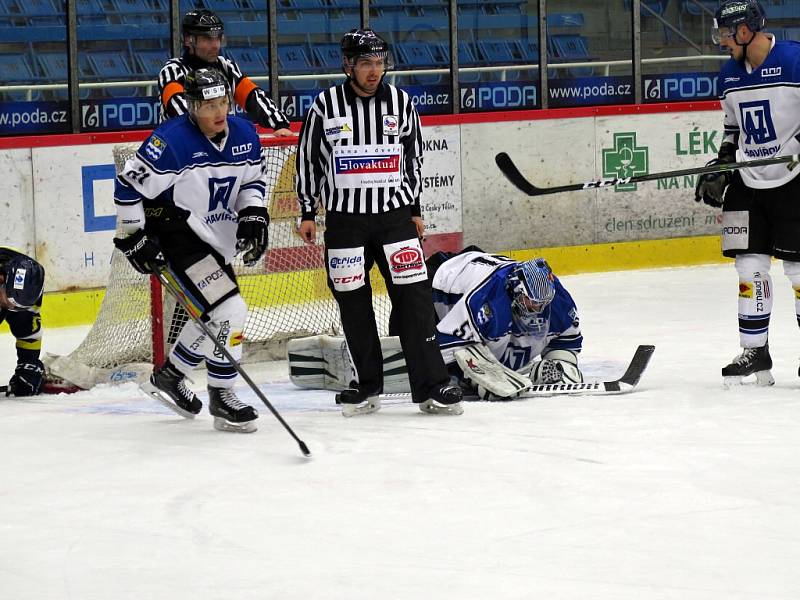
761,109
179,166
473,306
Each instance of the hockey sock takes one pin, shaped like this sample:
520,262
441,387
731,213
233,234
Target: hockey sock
227,322
792,271
755,299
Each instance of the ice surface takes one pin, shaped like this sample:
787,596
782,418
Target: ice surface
680,490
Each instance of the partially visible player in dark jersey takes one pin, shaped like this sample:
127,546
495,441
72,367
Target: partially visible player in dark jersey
203,38
21,287
760,92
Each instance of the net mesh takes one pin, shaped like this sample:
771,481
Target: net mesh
286,292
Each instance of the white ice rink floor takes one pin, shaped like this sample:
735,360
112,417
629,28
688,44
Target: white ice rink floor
680,490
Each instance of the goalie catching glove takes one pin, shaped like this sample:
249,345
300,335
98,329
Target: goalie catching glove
557,366
27,379
711,187
252,233
143,253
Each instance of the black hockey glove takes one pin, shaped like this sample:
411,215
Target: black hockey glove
142,252
251,235
27,379
711,187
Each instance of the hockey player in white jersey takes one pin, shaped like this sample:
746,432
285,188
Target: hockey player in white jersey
497,315
190,198
760,90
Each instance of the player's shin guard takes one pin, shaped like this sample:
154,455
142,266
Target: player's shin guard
755,299
227,324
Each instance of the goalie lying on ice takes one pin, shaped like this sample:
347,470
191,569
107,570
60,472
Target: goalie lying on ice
496,316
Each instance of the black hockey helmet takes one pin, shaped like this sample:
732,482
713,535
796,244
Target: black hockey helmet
205,84
24,281
365,42
202,21
731,13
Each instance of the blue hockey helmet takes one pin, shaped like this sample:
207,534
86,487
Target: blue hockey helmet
732,13
532,288
24,281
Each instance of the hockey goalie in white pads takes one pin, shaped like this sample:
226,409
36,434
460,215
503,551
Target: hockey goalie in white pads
492,306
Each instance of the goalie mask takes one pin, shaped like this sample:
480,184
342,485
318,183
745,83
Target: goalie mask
532,288
24,282
203,85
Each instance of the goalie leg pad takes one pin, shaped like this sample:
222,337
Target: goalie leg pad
557,366
493,379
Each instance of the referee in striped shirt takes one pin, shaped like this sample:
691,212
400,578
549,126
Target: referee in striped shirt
360,157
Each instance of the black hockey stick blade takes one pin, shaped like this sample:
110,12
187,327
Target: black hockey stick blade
3,389
513,174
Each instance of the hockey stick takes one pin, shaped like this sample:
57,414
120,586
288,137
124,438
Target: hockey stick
180,298
513,174
626,383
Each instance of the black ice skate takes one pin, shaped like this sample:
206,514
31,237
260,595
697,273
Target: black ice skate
168,386
357,402
444,400
230,414
752,361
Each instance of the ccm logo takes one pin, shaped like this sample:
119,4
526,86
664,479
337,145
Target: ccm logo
734,230
348,279
406,258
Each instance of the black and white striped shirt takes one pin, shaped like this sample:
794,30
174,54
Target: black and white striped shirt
253,99
360,155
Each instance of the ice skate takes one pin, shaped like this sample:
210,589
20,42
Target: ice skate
168,386
445,400
355,402
752,361
230,414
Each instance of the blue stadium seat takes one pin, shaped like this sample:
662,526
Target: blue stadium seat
498,52
91,12
109,66
528,50
467,57
250,60
420,55
15,70
54,67
571,48
138,11
39,13
690,9
328,57
149,62
293,59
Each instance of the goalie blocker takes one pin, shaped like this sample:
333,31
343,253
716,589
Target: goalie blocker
323,362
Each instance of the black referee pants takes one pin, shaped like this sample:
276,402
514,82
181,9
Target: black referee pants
412,306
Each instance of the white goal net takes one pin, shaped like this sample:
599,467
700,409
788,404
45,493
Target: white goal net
286,293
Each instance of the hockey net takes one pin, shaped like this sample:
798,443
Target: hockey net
286,293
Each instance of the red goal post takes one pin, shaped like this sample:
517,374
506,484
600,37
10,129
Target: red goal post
286,293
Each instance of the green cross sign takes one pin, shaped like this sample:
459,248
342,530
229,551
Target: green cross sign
626,159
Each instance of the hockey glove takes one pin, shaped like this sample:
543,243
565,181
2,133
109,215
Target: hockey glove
143,253
27,379
711,187
252,233
557,366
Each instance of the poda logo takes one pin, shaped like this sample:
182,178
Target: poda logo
406,258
